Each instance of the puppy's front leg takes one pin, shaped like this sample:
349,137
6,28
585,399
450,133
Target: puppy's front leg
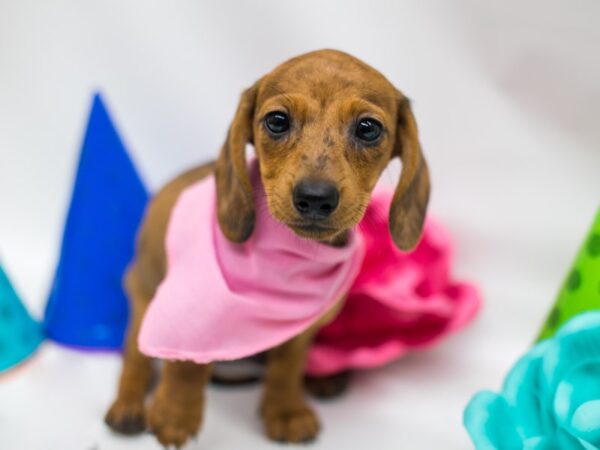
286,415
126,415
177,410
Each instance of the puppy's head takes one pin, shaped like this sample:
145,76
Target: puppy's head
324,126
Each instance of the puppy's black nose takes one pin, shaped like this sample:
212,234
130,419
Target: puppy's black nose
315,199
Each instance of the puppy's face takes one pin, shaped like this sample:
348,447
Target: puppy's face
324,126
324,129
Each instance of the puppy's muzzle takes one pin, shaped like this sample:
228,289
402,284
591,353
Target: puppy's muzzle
315,199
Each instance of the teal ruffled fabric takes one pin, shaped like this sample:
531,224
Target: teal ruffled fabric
550,399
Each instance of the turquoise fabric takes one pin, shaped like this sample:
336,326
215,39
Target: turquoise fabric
551,398
20,335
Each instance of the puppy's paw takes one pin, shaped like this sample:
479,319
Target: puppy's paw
290,423
172,424
126,417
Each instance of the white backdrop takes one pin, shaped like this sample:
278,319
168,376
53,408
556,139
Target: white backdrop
507,95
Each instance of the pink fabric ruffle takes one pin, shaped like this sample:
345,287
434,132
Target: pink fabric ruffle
399,301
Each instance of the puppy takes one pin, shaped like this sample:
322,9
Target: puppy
324,125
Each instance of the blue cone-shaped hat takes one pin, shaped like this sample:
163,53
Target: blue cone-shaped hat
87,307
20,335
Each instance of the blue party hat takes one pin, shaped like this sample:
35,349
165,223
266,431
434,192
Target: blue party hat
87,306
20,335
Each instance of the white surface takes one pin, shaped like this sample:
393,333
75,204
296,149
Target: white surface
508,101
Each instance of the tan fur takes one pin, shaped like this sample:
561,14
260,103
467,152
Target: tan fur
324,92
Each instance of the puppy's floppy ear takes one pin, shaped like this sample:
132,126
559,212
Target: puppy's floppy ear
235,199
407,212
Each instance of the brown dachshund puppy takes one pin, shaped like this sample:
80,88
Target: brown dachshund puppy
324,126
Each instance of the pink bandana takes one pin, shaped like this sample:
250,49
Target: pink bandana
223,301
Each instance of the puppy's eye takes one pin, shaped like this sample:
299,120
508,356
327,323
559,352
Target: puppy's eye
277,122
368,130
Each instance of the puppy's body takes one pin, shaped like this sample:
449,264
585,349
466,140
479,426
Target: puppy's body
317,176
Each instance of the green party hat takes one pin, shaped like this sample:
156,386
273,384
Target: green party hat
581,290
